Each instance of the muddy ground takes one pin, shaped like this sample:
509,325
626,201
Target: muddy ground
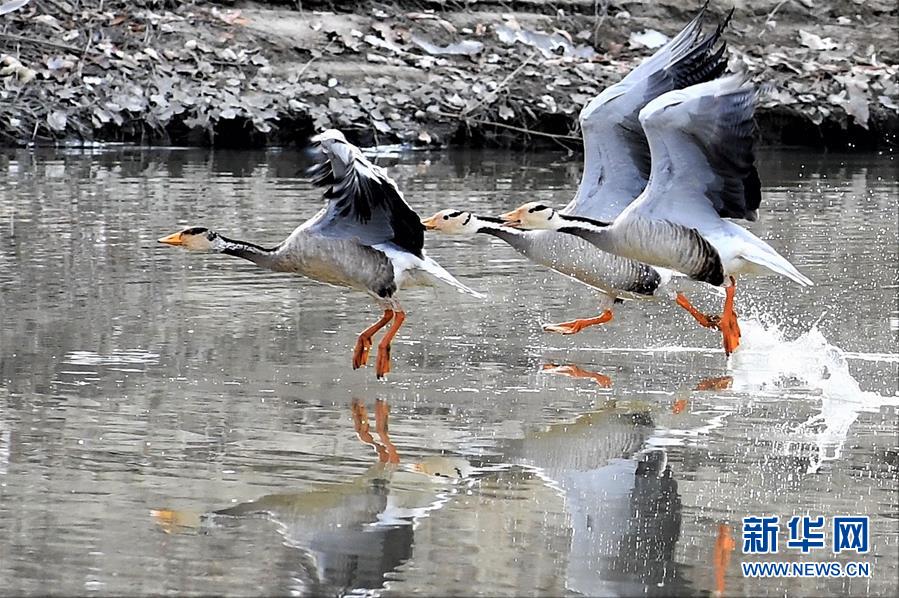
511,73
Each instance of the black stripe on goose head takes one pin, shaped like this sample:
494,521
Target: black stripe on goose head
572,218
195,230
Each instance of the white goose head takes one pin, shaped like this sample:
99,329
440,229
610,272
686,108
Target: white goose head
196,238
533,216
453,222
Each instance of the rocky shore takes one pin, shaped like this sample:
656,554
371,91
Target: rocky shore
511,73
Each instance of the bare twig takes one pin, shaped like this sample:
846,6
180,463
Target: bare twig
41,42
502,84
311,60
771,16
491,123
599,19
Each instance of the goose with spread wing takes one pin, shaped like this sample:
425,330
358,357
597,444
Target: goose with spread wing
703,171
616,169
366,238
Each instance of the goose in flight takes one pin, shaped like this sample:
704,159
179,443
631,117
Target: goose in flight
616,169
366,238
703,172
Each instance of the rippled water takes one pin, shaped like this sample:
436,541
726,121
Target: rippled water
176,422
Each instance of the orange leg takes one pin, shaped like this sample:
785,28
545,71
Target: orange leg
363,430
577,372
728,325
360,422
383,363
363,343
576,326
724,546
679,406
382,414
703,319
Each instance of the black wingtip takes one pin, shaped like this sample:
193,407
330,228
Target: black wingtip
752,190
702,10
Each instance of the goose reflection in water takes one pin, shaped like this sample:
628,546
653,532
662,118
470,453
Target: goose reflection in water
622,498
350,535
619,500
575,371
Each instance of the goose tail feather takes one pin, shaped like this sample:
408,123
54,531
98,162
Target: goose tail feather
779,264
438,272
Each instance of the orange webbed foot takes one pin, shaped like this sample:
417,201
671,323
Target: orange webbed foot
575,371
382,364
363,343
576,326
361,351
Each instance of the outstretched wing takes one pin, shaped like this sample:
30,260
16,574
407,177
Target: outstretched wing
363,203
703,164
616,155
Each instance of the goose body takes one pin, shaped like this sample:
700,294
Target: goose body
365,238
616,169
570,255
702,172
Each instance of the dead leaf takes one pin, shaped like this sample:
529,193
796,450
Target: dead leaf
888,102
57,120
549,102
49,21
463,48
549,44
816,42
648,38
377,42
231,17
381,126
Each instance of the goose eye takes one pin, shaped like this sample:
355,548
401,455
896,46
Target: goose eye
445,217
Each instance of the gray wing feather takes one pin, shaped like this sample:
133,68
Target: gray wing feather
702,150
617,160
363,203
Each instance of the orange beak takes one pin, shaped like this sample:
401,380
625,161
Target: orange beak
430,223
511,219
173,239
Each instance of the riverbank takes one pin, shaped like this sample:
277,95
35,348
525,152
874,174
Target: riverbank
485,73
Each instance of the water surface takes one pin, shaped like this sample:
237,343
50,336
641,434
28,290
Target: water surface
177,422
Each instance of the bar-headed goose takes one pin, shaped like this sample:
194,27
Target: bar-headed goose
616,169
702,172
615,278
366,238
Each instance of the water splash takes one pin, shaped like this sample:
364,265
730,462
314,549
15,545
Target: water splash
768,359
